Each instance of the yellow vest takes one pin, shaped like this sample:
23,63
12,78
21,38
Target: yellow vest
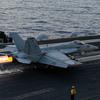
73,91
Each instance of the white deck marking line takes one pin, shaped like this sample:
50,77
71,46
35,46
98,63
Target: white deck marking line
90,58
91,41
34,93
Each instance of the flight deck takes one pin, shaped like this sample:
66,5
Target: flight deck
53,84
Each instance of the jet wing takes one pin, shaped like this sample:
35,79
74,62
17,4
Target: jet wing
66,51
57,59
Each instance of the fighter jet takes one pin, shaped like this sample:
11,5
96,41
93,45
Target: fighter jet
29,52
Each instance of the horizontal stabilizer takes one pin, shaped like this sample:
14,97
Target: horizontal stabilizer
24,61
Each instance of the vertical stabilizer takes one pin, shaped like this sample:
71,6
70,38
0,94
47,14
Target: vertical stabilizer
32,49
19,42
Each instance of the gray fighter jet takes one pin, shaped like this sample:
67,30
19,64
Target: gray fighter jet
29,51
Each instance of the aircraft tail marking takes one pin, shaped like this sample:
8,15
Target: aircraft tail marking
32,49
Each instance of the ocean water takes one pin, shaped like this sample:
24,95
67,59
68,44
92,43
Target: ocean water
56,18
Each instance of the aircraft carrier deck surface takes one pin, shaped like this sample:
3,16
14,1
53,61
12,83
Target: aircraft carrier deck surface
52,84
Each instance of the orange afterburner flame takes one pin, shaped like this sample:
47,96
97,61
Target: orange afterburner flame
6,59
